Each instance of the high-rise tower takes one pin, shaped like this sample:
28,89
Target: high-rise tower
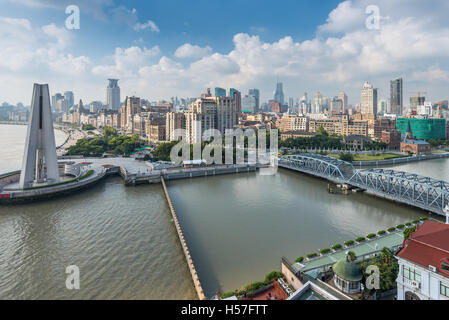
40,163
279,93
113,95
369,99
396,96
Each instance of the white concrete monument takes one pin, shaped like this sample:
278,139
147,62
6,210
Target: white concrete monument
40,163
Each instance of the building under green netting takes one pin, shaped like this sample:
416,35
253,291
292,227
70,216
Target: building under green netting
423,129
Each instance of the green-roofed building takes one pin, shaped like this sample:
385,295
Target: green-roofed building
423,129
347,276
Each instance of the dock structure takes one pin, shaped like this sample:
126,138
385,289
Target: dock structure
190,263
132,172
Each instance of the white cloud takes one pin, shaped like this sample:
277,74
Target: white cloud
433,73
148,25
345,17
413,43
127,61
192,51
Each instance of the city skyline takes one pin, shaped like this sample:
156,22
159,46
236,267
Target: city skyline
326,53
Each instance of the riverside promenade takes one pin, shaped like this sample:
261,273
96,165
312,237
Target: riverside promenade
85,172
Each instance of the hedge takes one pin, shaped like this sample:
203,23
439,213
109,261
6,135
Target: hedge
88,174
272,276
324,251
371,235
400,226
408,224
391,229
300,259
416,221
337,247
312,255
381,232
349,243
360,239
229,294
424,219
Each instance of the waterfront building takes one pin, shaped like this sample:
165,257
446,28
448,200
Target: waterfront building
113,94
382,124
392,138
369,99
131,108
424,264
207,112
423,129
357,142
174,121
411,145
347,276
340,125
293,123
396,96
296,134
40,163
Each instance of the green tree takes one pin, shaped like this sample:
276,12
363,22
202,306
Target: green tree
409,231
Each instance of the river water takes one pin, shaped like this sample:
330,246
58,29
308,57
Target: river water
237,227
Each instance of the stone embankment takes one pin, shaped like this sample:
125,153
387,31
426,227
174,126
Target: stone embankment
191,265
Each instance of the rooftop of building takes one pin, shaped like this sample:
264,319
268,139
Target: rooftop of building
428,245
347,270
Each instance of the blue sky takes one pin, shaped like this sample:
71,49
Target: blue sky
160,49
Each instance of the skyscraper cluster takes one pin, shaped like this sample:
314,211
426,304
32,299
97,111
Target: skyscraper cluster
208,112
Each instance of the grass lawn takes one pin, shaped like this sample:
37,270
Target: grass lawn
373,157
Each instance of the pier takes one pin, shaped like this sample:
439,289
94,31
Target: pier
133,173
190,264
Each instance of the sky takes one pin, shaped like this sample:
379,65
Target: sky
164,48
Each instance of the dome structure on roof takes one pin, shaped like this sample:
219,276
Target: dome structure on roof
347,276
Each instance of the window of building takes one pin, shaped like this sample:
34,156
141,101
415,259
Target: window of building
445,266
412,274
444,289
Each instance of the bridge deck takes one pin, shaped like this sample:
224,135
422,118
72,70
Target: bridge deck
423,192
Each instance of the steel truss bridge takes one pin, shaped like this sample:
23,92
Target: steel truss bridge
423,192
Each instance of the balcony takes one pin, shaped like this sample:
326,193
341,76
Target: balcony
411,284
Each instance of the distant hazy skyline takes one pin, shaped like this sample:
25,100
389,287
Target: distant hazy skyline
160,49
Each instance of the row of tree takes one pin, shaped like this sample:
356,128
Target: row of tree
110,142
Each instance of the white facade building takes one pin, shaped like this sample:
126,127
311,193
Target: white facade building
113,95
424,264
